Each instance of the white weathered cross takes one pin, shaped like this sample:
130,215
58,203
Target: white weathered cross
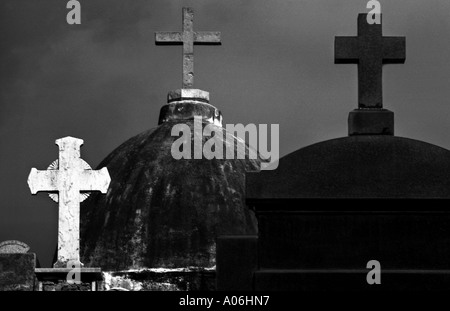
68,176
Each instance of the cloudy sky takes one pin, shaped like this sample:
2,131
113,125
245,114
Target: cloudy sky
105,80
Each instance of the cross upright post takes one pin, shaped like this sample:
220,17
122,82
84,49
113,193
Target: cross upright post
370,50
68,177
188,37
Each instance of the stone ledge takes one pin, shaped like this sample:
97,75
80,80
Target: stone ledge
66,270
55,274
188,94
186,110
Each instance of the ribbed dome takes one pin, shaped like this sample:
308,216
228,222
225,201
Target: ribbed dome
162,212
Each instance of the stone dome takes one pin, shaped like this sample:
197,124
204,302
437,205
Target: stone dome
160,212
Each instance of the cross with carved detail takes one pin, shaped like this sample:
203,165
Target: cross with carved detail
69,176
370,50
188,37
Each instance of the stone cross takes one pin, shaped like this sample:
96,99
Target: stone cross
370,50
68,177
188,37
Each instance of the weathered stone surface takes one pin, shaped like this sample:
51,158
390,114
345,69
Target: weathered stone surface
371,122
164,213
186,110
72,176
62,286
13,247
188,38
370,50
17,272
161,280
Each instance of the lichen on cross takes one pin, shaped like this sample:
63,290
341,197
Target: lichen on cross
188,37
71,176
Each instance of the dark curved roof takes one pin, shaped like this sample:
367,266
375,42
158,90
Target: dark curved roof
375,166
160,212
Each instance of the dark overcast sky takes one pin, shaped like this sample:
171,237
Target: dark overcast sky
105,80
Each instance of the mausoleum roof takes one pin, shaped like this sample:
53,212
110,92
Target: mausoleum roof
365,166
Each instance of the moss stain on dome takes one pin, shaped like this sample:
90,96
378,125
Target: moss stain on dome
165,213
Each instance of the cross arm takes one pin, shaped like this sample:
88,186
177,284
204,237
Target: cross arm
91,180
394,50
42,180
346,50
168,38
207,37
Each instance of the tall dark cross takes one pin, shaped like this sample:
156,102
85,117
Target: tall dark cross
188,37
370,50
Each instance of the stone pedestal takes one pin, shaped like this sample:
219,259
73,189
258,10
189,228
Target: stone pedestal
371,122
55,279
184,104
